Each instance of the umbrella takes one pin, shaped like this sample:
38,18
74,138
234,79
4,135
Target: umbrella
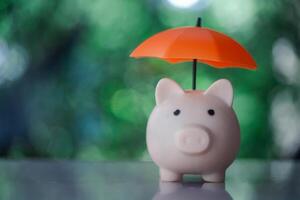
195,44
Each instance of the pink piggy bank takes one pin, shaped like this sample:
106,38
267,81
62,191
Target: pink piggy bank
193,131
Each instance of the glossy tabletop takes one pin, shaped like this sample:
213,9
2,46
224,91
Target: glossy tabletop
246,179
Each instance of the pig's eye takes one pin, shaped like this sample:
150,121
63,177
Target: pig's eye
211,112
176,112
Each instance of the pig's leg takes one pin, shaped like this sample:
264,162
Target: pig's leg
217,177
169,176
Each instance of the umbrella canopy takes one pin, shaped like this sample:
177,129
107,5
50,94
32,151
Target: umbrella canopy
196,44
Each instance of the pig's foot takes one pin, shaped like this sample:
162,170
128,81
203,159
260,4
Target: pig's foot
169,176
218,177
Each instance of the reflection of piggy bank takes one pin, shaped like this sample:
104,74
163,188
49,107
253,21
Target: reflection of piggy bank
178,191
193,132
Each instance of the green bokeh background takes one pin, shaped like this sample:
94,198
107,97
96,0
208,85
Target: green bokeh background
68,88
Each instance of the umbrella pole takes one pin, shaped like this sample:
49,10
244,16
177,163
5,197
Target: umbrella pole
194,73
198,24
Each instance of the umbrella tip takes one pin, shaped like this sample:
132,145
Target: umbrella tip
199,21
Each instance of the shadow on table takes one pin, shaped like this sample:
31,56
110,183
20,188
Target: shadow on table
191,191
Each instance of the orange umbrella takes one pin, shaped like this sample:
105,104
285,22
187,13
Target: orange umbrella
195,44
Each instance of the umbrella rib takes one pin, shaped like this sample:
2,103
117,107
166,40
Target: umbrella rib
173,42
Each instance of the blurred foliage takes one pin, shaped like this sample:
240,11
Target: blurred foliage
69,90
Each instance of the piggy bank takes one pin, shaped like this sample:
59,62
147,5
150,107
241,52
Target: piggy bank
193,131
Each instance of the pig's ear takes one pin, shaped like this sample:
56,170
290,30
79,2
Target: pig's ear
222,89
166,88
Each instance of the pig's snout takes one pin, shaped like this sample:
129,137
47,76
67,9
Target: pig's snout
193,140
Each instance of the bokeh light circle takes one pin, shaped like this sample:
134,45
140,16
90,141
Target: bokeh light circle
183,3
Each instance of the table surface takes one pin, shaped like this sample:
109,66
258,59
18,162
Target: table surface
245,179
